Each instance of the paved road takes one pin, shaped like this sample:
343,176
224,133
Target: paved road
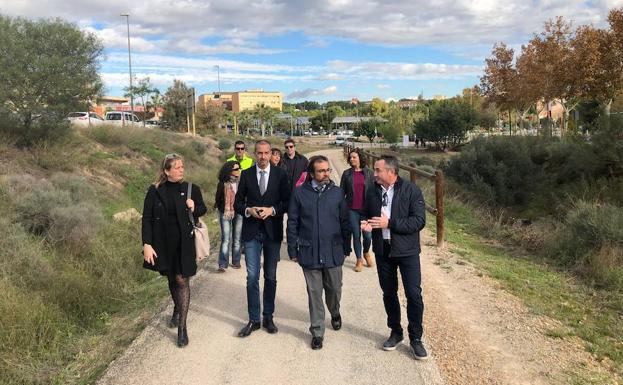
216,355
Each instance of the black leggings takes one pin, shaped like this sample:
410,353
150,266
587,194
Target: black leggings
180,292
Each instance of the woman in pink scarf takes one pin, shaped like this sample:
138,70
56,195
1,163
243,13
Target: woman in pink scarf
231,223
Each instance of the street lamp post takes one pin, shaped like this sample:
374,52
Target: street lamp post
218,77
127,18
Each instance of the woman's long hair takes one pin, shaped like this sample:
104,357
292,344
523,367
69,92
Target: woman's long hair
362,159
168,162
224,175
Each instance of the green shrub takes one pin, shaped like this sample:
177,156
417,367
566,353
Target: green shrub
199,148
533,174
74,226
109,135
47,128
224,144
62,211
591,237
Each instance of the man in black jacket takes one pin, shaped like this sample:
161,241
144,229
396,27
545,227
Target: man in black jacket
262,199
319,238
396,212
293,162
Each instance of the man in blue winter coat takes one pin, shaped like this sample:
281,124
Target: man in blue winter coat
319,238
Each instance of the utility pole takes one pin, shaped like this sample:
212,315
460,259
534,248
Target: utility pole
127,19
218,77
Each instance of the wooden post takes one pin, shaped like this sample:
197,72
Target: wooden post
413,175
439,204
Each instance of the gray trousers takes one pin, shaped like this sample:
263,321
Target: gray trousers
329,279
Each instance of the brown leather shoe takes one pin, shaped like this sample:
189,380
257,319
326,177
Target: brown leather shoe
368,259
359,265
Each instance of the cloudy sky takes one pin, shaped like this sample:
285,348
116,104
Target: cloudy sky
309,50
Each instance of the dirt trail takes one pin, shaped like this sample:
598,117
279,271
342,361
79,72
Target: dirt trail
475,332
216,355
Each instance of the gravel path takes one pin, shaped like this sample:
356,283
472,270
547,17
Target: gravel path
476,333
216,355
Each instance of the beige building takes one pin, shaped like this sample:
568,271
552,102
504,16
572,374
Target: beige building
243,100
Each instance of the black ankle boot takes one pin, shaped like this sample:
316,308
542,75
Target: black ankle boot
175,320
182,336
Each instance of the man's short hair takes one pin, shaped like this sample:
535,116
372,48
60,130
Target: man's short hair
239,142
262,141
312,162
391,162
289,140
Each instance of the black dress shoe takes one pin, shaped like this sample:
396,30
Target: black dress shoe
316,343
269,325
175,320
248,329
336,322
182,336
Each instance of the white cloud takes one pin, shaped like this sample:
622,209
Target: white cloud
311,92
447,22
383,86
411,71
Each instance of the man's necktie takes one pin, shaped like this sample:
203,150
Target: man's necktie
262,182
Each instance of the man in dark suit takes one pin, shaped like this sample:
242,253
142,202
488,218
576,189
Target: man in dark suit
396,215
262,198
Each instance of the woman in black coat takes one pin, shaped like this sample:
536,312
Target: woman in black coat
168,237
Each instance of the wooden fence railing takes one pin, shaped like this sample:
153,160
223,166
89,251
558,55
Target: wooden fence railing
414,173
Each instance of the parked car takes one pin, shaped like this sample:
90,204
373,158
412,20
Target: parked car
122,118
340,140
84,119
152,123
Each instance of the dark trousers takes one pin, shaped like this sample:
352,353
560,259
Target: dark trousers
387,268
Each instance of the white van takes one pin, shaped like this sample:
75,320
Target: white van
340,140
121,118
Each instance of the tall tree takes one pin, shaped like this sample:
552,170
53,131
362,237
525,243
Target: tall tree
47,69
175,104
448,123
142,90
211,116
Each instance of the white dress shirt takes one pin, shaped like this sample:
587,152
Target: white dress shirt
387,210
258,171
258,174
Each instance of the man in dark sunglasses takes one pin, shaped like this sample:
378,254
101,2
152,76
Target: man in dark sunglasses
240,155
293,162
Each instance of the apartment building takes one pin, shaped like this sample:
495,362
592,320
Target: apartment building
243,100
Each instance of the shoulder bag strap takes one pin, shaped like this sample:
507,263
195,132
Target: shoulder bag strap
188,196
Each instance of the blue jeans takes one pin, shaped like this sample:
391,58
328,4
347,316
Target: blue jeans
227,240
355,226
253,249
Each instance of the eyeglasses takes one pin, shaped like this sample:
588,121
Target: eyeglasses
239,148
385,200
327,170
290,146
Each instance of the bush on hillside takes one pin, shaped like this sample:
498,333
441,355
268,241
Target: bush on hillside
591,239
62,211
224,144
532,172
